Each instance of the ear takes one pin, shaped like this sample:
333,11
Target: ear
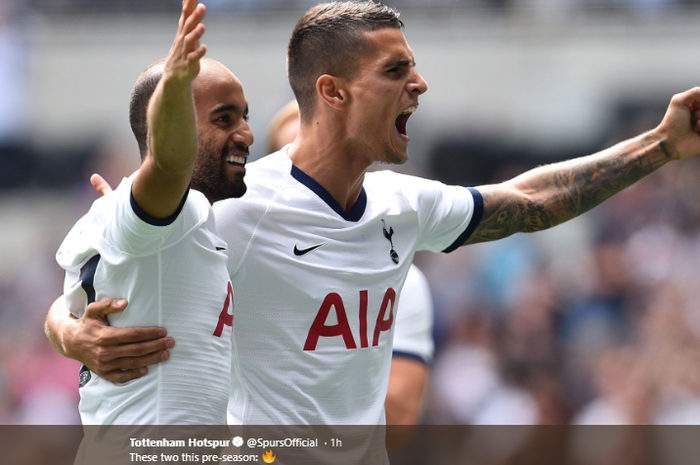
331,91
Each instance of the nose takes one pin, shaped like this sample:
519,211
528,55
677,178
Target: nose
243,134
418,85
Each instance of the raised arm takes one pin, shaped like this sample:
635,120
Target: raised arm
552,194
172,138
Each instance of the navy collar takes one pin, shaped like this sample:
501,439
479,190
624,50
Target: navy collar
357,211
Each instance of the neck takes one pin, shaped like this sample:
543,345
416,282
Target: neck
195,187
330,160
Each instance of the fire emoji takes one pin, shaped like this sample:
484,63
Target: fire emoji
268,457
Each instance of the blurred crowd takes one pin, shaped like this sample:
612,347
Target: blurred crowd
596,321
541,6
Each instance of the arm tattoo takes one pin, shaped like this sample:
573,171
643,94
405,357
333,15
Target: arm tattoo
549,195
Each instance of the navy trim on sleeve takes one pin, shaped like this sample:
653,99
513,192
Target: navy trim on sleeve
146,218
410,355
87,277
357,211
476,218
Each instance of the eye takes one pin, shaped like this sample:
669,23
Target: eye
224,119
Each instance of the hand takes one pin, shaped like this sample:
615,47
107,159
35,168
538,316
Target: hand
681,124
116,354
182,62
101,186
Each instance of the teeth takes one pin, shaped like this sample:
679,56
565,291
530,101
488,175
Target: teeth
236,160
409,110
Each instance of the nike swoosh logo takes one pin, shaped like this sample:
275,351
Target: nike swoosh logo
221,248
301,252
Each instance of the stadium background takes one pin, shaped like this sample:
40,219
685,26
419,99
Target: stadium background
594,321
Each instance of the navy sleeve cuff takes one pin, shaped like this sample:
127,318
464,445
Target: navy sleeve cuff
410,355
146,218
476,218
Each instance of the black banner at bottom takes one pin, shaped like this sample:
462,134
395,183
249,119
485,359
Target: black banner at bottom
310,445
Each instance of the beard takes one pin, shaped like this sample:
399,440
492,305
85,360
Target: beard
392,158
210,175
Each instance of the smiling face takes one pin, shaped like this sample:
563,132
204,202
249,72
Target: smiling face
222,131
383,96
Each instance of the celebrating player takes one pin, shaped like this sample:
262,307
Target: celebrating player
154,242
319,247
413,339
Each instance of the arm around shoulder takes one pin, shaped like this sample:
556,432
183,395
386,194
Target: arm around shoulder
116,354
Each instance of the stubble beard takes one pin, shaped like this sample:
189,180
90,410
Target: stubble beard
392,158
209,174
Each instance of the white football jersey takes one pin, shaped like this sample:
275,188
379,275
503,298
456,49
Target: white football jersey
413,336
316,287
173,273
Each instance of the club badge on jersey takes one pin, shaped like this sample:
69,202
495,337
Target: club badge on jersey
389,234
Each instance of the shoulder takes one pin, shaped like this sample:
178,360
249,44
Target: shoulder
264,179
268,169
86,233
407,184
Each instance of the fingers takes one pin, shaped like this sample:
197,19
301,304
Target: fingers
197,54
104,335
689,97
194,30
100,185
190,22
193,19
122,364
98,310
188,7
191,42
134,350
183,60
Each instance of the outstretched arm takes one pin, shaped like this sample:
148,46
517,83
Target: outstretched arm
116,354
552,194
172,137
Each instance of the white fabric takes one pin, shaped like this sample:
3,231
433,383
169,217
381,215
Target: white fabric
173,276
289,373
413,335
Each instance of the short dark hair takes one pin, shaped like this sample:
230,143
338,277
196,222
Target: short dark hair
329,39
138,104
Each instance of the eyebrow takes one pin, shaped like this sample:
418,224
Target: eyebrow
400,63
230,109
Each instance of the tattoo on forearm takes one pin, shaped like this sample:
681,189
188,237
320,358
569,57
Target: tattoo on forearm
550,195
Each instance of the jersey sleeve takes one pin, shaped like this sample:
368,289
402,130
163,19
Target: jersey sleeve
447,215
413,334
114,227
131,230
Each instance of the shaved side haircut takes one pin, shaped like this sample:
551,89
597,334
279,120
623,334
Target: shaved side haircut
138,104
141,94
329,39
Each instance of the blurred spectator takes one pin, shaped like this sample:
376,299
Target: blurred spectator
14,148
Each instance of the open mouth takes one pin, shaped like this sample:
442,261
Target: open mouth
236,160
236,155
402,120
